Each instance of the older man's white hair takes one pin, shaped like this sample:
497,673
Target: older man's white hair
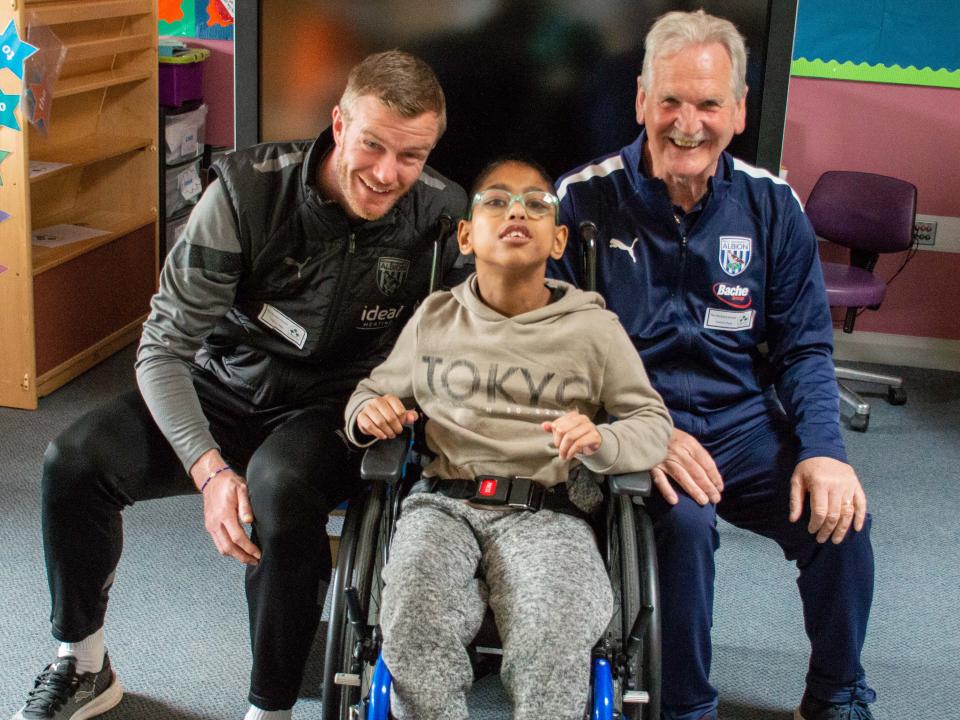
675,31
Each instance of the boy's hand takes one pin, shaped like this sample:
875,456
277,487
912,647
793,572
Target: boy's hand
574,434
384,417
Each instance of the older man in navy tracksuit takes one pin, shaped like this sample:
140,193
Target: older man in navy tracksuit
713,269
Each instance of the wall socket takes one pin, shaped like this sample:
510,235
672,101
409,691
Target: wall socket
925,232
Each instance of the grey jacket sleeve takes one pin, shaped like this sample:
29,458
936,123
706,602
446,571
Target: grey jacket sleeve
197,287
637,440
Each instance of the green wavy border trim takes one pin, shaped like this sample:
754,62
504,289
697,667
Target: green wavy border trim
833,70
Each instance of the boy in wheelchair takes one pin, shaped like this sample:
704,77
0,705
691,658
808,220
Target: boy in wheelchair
510,369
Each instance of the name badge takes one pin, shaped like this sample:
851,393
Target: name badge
734,320
288,329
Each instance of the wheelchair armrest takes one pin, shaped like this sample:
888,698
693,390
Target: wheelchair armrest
384,459
637,483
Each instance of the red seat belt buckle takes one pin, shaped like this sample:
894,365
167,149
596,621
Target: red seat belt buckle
491,490
488,487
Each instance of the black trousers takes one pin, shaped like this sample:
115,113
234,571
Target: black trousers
297,467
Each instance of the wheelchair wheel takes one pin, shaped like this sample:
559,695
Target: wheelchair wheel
358,561
623,567
632,566
650,669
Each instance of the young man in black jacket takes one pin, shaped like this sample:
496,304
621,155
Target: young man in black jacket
293,278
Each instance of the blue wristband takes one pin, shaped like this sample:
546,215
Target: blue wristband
212,475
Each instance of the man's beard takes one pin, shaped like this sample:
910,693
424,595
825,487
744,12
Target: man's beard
353,204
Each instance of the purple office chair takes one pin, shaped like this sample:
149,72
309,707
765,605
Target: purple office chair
870,214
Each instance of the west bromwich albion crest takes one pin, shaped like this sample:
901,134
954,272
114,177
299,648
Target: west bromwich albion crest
391,272
735,253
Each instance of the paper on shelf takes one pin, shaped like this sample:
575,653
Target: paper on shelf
38,168
57,235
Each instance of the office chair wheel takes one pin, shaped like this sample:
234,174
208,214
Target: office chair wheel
860,423
896,396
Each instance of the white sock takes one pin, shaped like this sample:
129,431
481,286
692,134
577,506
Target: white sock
88,652
255,713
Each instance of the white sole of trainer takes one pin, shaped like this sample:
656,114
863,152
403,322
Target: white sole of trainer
107,700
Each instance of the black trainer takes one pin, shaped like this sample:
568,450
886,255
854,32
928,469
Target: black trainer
59,693
813,709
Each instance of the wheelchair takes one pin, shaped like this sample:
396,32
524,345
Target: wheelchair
625,677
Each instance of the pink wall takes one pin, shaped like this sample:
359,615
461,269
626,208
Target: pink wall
218,90
901,130
905,131
923,301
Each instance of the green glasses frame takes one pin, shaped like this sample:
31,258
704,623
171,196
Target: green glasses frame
530,200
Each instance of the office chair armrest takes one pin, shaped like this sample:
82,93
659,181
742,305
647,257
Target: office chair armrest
637,483
383,461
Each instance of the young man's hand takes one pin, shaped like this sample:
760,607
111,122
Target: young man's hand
226,507
384,417
574,434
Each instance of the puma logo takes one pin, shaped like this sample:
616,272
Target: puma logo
82,695
620,245
298,265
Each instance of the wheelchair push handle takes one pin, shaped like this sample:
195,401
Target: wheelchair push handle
588,233
444,226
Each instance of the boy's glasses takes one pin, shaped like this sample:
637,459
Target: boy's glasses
494,202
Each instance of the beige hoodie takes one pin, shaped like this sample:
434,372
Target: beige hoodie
486,382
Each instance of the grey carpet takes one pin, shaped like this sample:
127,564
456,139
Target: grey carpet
177,622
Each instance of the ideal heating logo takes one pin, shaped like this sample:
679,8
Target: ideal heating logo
376,317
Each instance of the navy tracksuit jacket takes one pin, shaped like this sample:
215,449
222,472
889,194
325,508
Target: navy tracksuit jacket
726,306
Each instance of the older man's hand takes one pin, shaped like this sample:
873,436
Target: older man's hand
837,499
691,467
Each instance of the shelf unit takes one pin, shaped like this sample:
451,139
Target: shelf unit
64,309
172,218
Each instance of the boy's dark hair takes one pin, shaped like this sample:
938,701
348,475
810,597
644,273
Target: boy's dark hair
517,159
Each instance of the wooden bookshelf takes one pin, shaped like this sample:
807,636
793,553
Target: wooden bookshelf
99,81
65,308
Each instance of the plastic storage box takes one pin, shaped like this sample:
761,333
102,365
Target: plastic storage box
183,187
183,135
181,77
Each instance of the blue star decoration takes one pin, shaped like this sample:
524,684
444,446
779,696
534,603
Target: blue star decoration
13,51
8,103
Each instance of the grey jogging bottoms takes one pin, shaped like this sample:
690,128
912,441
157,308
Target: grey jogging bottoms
542,576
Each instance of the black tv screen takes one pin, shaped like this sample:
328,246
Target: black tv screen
552,79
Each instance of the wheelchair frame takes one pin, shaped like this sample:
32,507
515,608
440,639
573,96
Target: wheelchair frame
625,679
